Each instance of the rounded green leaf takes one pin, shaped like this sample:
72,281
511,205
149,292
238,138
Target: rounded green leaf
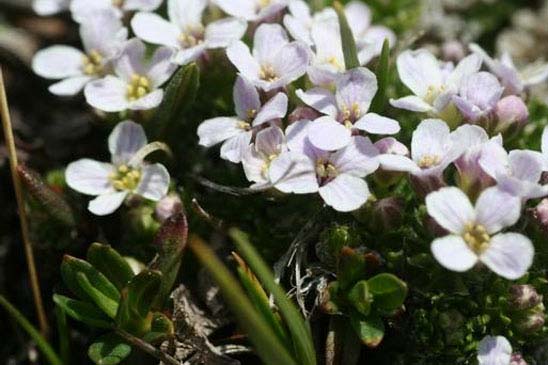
388,291
360,297
109,350
369,329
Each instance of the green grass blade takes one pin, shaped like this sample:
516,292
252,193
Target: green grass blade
63,332
50,355
350,50
265,341
300,332
383,78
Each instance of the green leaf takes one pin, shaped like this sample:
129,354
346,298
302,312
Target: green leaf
348,42
170,242
107,305
180,93
300,332
63,332
351,267
111,264
383,78
134,311
83,312
388,291
51,357
109,350
369,329
260,300
160,328
266,343
52,201
360,297
71,267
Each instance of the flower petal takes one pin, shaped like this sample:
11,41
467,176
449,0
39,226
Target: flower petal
419,70
345,193
356,89
359,158
377,124
246,98
143,5
496,209
526,165
89,176
58,62
412,103
188,55
327,134
125,140
245,9
467,66
391,162
108,94
130,61
293,172
149,101
509,255
291,62
103,32
186,13
234,148
431,138
320,99
494,351
154,182
451,208
240,56
154,29
273,109
453,253
268,41
254,166
107,203
216,130
224,32
297,134
70,86
160,68
270,141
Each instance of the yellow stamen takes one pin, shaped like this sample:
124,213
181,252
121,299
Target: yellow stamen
125,178
476,237
267,73
138,87
428,161
92,63
325,169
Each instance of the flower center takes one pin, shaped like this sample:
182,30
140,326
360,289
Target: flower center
125,178
244,125
335,62
350,114
428,161
433,92
476,237
138,87
93,63
267,73
264,3
266,165
118,3
192,36
325,170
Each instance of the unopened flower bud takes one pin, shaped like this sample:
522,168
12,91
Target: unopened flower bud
530,321
517,359
511,112
167,206
303,113
387,213
453,51
540,213
523,297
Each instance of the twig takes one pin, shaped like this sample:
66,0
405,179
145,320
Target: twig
148,348
10,145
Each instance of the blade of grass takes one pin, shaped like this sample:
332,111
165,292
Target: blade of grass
349,48
18,188
300,332
63,333
383,77
50,355
266,343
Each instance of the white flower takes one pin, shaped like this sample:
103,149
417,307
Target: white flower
49,7
473,232
347,110
275,61
103,36
252,10
269,145
185,32
236,132
136,84
328,60
83,9
494,351
336,176
432,150
127,174
432,83
514,81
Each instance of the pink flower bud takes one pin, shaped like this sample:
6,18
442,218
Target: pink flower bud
303,112
524,297
511,111
453,51
517,359
391,146
540,213
168,206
